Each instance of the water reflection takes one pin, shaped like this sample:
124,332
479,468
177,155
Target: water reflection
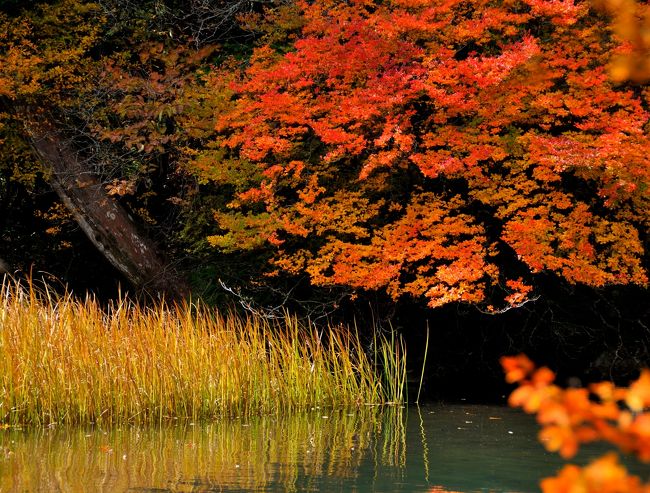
435,449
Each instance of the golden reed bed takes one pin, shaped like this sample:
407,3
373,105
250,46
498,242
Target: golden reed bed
65,360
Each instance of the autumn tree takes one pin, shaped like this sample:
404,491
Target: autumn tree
450,151
104,95
55,92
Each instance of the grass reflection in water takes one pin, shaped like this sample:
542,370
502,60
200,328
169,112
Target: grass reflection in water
254,454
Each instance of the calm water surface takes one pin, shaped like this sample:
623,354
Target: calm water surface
430,449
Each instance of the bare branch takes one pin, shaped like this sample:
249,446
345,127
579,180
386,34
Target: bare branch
507,308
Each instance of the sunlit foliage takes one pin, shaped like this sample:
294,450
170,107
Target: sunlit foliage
448,151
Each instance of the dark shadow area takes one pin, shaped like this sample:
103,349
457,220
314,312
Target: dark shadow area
58,253
583,334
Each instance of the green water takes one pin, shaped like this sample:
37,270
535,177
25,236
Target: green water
431,449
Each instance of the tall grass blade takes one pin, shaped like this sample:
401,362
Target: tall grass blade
66,360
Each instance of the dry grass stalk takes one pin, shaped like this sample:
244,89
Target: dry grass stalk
64,360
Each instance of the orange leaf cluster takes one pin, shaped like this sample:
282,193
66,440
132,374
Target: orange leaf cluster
47,53
574,416
604,475
460,128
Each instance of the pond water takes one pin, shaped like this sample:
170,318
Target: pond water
442,448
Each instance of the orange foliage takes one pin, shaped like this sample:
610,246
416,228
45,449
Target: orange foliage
573,416
446,150
433,137
47,53
604,475
631,24
146,99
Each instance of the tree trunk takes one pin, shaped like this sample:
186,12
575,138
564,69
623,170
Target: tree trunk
104,221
